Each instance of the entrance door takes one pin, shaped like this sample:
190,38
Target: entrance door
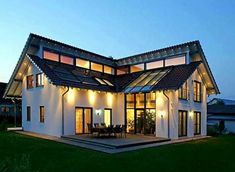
140,121
83,120
108,116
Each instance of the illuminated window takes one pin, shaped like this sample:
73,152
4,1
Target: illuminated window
42,114
123,70
83,63
197,91
39,80
66,60
96,67
50,56
29,81
137,68
5,109
140,100
197,123
130,100
175,61
150,100
153,65
183,91
28,113
108,69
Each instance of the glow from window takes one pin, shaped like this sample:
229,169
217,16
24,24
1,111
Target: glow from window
175,61
66,60
82,63
108,69
50,56
137,68
96,67
153,65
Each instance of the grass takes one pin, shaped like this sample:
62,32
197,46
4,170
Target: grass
23,153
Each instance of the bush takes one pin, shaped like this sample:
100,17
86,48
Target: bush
3,125
213,130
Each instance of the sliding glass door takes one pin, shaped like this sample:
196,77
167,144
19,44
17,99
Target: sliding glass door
83,119
108,116
182,123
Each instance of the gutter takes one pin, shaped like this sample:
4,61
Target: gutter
62,132
168,121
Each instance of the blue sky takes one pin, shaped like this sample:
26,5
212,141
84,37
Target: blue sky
122,28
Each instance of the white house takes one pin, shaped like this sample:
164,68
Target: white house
64,89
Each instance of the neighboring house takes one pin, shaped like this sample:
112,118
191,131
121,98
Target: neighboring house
64,88
222,112
8,107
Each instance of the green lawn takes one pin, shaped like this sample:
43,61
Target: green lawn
22,153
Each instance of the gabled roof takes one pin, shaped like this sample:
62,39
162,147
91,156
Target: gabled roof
221,109
221,101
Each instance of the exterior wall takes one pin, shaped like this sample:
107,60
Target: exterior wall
95,100
48,96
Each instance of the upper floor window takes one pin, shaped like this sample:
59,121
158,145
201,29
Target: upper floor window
29,81
66,60
197,91
137,68
122,70
82,63
96,67
183,91
153,65
50,56
108,69
175,61
42,114
39,80
28,113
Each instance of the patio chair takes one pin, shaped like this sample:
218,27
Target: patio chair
103,124
96,125
117,129
90,129
110,130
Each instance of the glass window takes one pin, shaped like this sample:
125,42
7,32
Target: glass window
100,81
66,60
50,56
29,81
197,91
140,100
108,69
107,82
122,70
153,65
42,114
197,123
150,100
96,67
28,113
130,120
182,123
175,61
137,68
39,80
130,100
82,63
183,91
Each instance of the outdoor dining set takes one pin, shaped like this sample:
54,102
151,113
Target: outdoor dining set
102,130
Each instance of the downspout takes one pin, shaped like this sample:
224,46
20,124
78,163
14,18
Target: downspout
63,109
168,107
14,111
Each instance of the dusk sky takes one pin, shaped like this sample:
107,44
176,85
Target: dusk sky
122,28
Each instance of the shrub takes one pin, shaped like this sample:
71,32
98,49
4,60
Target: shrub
213,130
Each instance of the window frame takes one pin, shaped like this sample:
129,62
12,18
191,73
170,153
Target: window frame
186,120
197,97
181,91
41,75
195,122
42,114
28,113
27,82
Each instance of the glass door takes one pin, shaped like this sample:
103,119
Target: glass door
108,117
83,119
140,121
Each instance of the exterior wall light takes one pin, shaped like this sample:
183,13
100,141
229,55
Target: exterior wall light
191,112
98,112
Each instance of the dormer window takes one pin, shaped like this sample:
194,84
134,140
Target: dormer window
51,56
39,80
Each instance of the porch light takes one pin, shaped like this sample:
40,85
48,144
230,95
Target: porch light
191,112
162,114
98,112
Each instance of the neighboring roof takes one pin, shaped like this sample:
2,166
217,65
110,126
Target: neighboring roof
221,117
221,101
221,109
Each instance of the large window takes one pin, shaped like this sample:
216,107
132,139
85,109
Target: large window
82,63
182,123
29,81
28,113
39,80
183,91
50,56
153,65
197,123
137,68
197,91
175,61
66,60
42,114
122,70
96,67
